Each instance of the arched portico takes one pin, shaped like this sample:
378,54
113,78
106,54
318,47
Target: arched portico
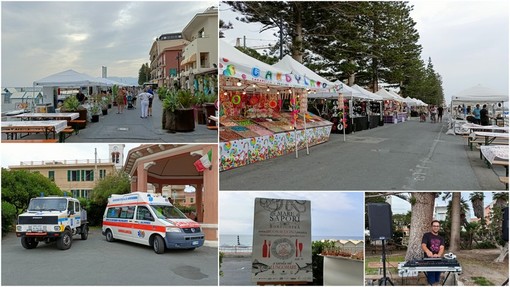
173,164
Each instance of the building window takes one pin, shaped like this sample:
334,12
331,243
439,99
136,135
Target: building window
204,60
88,175
83,193
73,175
102,173
191,200
115,157
51,175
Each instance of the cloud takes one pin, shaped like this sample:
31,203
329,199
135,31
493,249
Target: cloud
38,39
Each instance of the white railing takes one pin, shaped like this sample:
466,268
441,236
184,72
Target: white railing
65,161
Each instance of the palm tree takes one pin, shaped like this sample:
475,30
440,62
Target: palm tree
476,199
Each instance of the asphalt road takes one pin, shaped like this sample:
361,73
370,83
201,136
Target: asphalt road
129,127
236,272
98,262
405,156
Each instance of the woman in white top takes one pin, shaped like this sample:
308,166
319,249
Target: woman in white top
144,103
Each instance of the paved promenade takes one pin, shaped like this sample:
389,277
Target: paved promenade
405,156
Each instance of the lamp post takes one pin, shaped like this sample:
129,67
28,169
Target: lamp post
178,58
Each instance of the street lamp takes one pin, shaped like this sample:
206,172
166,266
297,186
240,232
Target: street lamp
178,58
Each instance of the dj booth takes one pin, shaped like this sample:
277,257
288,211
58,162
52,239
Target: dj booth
411,268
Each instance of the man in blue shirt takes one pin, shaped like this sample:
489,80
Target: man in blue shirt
476,114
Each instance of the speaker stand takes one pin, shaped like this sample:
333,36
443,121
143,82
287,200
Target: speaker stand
385,280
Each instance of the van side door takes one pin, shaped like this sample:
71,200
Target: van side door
144,225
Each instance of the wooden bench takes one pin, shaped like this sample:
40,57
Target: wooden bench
31,141
77,124
13,132
66,133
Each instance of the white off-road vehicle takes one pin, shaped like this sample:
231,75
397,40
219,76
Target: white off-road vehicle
51,219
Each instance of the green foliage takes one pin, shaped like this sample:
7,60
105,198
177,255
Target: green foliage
8,216
318,261
482,281
71,104
116,183
19,186
144,74
170,101
185,99
115,90
221,261
95,109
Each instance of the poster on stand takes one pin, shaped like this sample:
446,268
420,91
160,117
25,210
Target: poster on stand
282,242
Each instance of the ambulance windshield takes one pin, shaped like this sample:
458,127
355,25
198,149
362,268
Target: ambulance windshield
166,211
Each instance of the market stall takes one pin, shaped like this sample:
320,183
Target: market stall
366,113
263,110
480,95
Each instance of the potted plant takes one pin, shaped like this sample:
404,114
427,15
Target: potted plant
71,104
209,108
198,108
115,90
178,106
95,110
104,104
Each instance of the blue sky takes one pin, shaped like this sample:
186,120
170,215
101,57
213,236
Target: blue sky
333,213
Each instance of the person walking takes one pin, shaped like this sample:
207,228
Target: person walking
150,91
144,103
121,94
440,114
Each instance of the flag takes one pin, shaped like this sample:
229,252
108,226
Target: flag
204,162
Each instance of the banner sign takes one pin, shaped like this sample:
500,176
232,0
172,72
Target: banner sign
282,242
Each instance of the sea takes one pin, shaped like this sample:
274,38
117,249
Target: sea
246,239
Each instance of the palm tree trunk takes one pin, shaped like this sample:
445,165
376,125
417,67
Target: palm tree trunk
422,212
455,231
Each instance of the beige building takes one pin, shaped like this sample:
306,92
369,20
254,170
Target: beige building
200,55
77,177
164,56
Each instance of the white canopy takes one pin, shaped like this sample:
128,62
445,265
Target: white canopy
109,83
367,94
310,78
480,93
388,96
68,78
410,101
234,63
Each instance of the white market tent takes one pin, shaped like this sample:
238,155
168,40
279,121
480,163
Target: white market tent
315,81
368,95
388,96
480,94
68,78
236,64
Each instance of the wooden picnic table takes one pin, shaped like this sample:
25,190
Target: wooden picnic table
474,127
13,129
491,136
47,116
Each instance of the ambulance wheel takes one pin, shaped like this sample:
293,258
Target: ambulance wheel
109,236
28,243
158,244
84,232
64,242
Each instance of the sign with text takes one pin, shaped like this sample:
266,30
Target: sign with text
282,241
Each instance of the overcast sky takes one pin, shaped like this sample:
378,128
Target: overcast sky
43,38
400,206
333,213
466,40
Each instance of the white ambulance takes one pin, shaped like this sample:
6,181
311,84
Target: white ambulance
150,219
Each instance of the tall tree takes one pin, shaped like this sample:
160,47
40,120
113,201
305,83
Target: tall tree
455,225
144,74
422,208
19,186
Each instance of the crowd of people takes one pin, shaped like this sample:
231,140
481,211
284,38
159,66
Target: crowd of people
435,113
479,116
129,97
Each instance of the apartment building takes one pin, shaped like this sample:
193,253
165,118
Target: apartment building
165,55
76,177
